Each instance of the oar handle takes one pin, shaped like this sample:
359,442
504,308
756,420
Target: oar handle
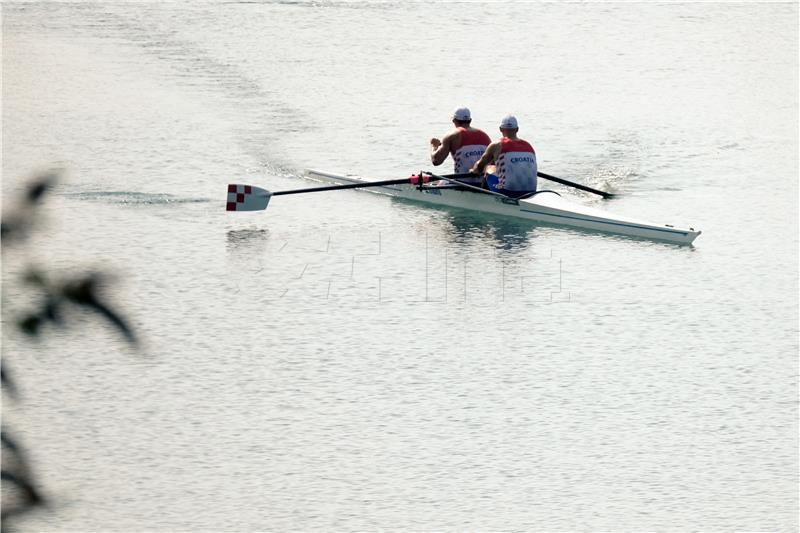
576,185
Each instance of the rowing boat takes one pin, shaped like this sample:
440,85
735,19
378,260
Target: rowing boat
544,206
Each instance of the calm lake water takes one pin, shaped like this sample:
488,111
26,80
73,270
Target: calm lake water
345,361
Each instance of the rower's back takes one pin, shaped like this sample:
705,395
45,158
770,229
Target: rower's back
516,165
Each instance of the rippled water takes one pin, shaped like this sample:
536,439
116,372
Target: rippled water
351,362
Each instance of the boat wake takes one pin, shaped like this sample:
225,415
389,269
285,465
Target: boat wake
613,178
133,198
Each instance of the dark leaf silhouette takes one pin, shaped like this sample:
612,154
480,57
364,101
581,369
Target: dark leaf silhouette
81,291
30,325
17,473
40,186
17,222
85,292
8,383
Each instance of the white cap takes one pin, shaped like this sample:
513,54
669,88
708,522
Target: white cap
509,122
462,113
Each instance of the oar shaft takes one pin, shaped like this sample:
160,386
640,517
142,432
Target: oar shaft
346,186
449,177
545,176
573,184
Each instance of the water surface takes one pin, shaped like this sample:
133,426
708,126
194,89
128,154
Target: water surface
347,361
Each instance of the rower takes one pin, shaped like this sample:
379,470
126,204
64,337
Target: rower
510,163
465,143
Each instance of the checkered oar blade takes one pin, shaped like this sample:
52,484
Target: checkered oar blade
247,198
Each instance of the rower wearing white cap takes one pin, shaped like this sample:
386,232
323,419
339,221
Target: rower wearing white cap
510,163
465,143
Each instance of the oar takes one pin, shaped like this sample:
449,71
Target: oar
576,185
541,175
250,198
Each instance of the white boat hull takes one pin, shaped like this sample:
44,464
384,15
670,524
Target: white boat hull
545,206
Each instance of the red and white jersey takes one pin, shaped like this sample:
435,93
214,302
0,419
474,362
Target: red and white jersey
516,165
473,145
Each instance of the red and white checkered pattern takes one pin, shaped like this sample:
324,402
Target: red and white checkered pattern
246,198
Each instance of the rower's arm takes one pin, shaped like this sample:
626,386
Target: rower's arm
441,149
487,158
